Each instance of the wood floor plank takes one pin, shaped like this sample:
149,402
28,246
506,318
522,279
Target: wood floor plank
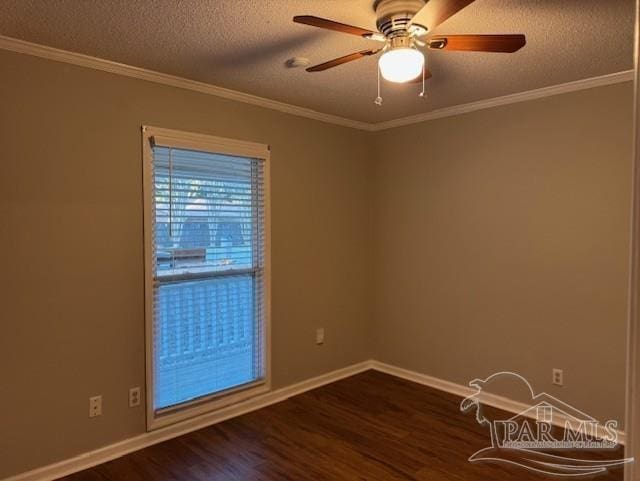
371,426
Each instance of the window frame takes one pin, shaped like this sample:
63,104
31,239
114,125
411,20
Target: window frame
218,145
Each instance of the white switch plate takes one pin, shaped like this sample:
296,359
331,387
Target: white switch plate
134,397
95,406
320,335
558,377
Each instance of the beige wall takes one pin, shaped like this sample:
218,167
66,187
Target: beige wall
501,241
487,241
72,268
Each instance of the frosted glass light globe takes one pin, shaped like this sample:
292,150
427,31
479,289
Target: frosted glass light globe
401,64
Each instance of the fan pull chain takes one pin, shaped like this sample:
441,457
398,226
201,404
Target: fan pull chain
423,94
378,100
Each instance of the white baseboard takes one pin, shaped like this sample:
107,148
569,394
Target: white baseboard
493,400
424,379
116,450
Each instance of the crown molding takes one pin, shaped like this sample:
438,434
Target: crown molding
610,79
82,60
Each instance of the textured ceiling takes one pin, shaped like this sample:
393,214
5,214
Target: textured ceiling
243,45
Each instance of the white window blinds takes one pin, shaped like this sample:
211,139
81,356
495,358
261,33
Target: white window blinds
208,275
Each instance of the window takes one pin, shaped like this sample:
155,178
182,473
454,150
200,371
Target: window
207,277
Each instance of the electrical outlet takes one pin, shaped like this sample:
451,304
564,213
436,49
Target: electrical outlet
558,377
320,335
95,406
134,397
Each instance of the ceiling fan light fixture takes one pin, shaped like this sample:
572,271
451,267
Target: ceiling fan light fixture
401,64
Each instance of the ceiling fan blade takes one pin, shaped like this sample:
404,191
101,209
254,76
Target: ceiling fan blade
418,79
331,25
437,11
339,61
478,43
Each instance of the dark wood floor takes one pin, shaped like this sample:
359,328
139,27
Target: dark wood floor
368,427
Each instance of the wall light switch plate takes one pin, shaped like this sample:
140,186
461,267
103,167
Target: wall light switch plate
320,335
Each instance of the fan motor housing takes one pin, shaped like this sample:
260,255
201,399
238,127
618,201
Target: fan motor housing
394,16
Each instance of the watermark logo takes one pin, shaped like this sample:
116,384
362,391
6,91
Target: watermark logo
545,436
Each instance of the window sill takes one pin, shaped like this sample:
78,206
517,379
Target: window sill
169,416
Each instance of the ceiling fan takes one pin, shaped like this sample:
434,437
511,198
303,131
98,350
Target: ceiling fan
405,26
